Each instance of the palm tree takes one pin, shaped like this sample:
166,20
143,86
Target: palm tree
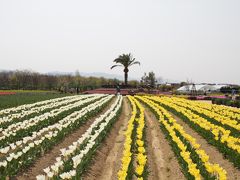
125,61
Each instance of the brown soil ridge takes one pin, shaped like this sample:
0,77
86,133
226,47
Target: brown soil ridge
162,163
49,157
107,160
214,155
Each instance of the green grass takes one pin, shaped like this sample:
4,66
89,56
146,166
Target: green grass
26,97
28,91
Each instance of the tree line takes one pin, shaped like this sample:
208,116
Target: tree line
30,80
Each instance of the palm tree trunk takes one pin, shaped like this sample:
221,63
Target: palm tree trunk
126,76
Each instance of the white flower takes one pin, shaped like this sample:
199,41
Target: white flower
25,140
62,176
15,156
54,168
19,153
58,159
50,174
5,150
31,145
65,176
72,148
12,155
37,142
46,170
9,159
73,173
4,163
38,133
63,151
24,150
18,143
41,177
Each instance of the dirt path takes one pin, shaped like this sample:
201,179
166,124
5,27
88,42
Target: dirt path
214,155
205,101
107,160
162,162
50,157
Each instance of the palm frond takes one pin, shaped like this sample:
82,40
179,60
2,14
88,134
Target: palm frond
131,61
126,60
135,62
115,66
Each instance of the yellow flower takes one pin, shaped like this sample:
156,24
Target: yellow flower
139,170
140,143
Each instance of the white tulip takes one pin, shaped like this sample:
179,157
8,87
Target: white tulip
9,159
54,168
40,177
5,150
58,159
19,153
3,164
50,174
46,170
73,173
31,145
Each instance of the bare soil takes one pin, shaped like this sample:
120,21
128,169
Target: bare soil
162,163
107,160
50,157
205,101
214,155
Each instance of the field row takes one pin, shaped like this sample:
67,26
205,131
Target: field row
23,142
115,137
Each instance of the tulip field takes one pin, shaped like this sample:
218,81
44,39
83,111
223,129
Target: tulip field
106,137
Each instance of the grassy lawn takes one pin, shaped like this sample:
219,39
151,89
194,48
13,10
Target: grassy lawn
26,97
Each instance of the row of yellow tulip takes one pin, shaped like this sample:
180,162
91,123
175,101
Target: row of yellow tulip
226,111
219,132
215,134
202,109
172,127
136,121
127,154
141,156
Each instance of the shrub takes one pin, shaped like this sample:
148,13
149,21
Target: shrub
226,102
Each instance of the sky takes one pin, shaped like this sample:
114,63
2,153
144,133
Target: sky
195,40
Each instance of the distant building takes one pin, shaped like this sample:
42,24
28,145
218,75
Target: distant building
200,88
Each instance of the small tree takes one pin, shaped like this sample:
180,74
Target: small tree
149,80
152,79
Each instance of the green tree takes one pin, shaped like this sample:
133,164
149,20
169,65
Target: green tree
149,80
152,79
125,61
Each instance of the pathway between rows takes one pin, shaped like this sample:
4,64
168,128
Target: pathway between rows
162,162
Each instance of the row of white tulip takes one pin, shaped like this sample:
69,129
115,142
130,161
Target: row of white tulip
51,105
26,107
48,131
12,129
87,140
47,134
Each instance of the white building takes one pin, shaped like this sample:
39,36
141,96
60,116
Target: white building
200,88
